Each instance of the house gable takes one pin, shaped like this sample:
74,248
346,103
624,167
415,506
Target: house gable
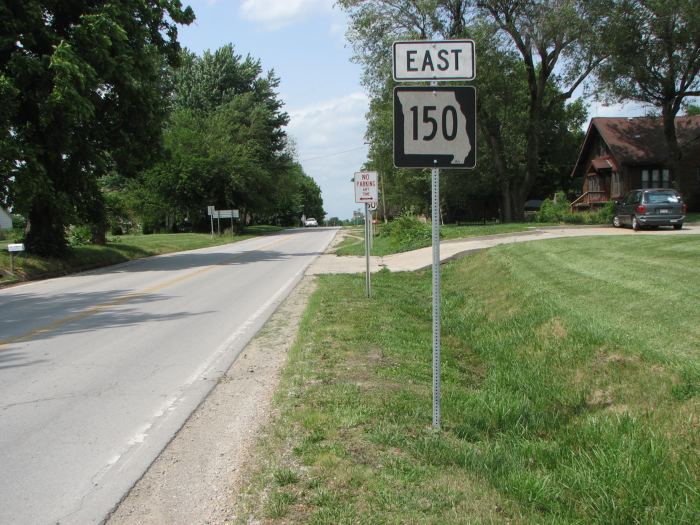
620,154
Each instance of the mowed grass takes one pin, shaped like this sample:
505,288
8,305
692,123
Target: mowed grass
118,249
570,382
354,244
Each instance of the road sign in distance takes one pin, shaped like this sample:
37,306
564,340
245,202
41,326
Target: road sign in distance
435,127
366,187
434,60
226,214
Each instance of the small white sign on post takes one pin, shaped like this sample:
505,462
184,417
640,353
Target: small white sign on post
366,187
13,249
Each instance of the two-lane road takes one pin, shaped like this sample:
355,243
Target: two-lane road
99,370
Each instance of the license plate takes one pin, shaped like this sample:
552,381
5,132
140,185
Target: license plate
664,210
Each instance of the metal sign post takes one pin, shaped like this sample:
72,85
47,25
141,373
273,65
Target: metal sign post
366,193
368,282
434,127
210,211
13,249
435,179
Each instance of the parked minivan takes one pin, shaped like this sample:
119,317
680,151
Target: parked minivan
652,207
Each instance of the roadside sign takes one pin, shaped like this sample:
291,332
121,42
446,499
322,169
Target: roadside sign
435,127
434,60
366,187
210,210
225,214
17,247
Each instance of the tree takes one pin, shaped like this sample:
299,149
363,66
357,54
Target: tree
82,86
541,52
654,58
225,146
548,35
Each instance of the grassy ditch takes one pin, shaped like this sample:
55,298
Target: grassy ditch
571,375
118,249
419,236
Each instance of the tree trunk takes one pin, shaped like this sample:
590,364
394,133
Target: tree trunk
674,151
47,233
499,165
98,234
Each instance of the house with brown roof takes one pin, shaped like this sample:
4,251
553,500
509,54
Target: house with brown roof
621,154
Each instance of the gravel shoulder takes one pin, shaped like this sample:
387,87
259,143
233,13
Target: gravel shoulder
195,478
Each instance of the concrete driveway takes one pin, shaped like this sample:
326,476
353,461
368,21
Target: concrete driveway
417,259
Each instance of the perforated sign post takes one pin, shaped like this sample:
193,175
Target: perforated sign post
366,193
435,127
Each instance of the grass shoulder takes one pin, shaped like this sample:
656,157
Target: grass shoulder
118,249
387,243
566,398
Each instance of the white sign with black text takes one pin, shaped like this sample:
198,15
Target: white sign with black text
435,127
434,60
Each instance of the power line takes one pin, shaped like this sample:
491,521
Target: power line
332,154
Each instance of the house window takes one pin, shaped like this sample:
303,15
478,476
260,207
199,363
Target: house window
654,178
645,178
665,178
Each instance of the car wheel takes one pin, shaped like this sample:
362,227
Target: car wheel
616,221
635,224
678,226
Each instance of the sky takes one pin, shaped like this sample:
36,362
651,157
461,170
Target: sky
303,41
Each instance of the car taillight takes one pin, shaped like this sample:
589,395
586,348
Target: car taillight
641,208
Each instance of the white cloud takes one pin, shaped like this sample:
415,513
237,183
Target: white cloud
273,14
330,143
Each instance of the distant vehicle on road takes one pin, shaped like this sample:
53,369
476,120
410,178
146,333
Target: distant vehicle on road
310,222
652,207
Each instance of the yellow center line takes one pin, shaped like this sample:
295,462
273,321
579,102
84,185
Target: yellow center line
126,297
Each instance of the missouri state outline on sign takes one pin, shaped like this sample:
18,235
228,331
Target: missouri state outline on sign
435,127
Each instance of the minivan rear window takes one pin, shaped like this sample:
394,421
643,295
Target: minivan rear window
662,197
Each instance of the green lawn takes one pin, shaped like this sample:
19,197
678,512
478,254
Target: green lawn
118,249
384,245
571,374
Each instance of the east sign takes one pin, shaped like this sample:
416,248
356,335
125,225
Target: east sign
434,60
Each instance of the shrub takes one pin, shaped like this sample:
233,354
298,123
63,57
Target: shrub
559,210
554,210
408,232
79,235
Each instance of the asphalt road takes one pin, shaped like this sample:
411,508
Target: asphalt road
99,370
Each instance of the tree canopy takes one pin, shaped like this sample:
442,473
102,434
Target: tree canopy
537,54
83,93
225,146
653,57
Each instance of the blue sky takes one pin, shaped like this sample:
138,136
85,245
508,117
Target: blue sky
303,41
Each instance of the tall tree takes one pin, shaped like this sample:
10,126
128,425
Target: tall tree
225,143
654,58
553,40
84,88
550,36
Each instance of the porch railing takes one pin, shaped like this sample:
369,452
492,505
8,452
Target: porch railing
589,198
